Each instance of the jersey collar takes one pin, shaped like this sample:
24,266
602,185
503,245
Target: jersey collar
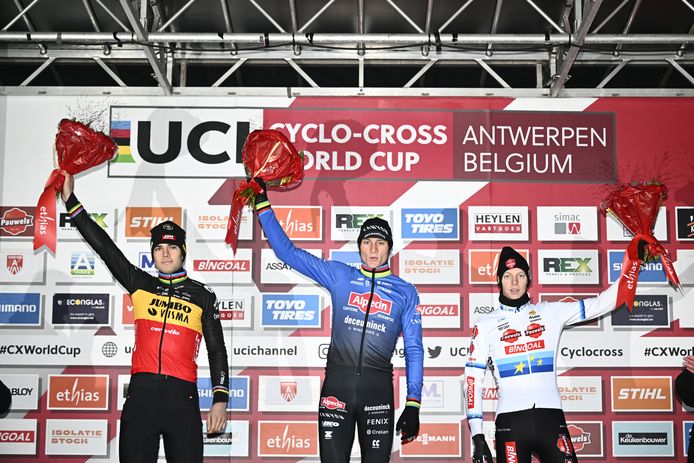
173,278
509,309
382,271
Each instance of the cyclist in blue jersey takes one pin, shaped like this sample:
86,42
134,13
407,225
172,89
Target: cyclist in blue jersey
518,342
370,308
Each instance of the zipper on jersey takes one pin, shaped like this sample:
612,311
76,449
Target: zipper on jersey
163,327
366,319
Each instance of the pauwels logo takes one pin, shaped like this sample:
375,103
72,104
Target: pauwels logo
78,392
17,221
378,305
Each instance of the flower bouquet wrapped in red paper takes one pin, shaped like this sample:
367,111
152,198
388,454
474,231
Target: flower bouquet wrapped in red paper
269,155
636,206
78,148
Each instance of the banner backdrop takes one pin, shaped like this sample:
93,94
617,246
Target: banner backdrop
457,178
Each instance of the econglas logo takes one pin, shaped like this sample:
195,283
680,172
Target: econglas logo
483,264
17,221
282,438
291,310
378,304
649,310
78,392
641,393
430,224
567,223
437,440
301,223
139,220
82,264
498,223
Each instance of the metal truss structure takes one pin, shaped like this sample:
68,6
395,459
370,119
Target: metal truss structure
347,47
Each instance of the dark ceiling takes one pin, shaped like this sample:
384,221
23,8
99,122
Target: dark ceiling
522,47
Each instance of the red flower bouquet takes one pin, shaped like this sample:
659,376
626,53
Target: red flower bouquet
636,206
78,148
269,155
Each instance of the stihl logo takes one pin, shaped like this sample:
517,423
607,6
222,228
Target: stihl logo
218,265
377,304
641,393
332,403
470,382
139,220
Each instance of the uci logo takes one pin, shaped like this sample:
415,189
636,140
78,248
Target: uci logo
175,135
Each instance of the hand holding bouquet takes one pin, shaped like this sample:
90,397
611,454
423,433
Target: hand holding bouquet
636,206
269,155
78,148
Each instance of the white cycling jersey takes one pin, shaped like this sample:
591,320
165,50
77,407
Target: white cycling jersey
520,345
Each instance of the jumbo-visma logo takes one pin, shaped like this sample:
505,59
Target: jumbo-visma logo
177,142
377,303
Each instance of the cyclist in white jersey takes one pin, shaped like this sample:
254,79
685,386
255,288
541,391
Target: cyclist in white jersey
518,342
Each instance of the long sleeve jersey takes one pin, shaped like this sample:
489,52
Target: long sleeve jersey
519,344
172,313
370,308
